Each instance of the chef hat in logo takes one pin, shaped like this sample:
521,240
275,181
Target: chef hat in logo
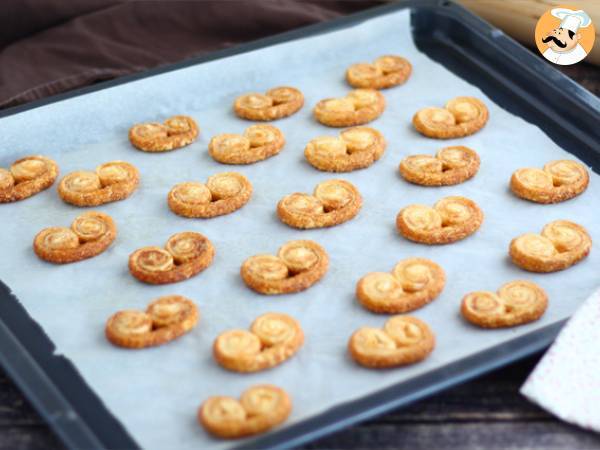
571,20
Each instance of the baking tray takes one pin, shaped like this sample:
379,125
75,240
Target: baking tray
509,74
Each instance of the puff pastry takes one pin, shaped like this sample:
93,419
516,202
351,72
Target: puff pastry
515,303
257,143
222,194
451,219
460,117
332,202
355,148
560,245
272,339
112,181
184,256
175,132
259,409
359,107
90,234
385,72
403,340
165,319
26,177
451,165
559,181
297,266
413,283
276,103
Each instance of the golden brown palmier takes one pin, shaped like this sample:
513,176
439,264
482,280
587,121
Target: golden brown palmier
403,340
165,319
451,219
560,245
90,234
460,117
173,133
259,409
359,107
515,303
26,177
184,256
333,202
275,104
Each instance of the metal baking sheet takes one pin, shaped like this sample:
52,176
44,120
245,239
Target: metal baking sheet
72,302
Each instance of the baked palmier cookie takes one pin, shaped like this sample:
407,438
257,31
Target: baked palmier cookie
185,255
560,245
257,143
451,219
385,72
112,181
558,181
90,234
403,340
259,409
332,202
26,177
413,283
359,107
515,303
460,117
272,339
175,132
297,266
165,319
355,148
275,104
451,165
222,194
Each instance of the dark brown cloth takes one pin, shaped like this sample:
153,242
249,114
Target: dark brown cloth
51,46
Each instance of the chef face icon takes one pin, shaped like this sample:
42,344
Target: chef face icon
561,40
560,35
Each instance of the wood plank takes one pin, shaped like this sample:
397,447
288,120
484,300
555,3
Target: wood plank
550,435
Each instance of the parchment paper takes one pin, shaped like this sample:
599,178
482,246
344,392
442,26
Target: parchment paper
156,392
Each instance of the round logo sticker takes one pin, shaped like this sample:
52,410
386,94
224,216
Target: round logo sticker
564,35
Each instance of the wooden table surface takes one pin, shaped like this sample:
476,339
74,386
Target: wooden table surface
487,413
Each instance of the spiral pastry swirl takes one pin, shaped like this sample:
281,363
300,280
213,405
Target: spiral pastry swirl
175,132
222,194
515,303
259,409
451,165
385,72
27,177
355,148
560,245
460,117
558,181
451,219
359,107
297,266
185,255
111,182
164,320
403,340
273,338
413,283
258,142
275,104
90,234
333,202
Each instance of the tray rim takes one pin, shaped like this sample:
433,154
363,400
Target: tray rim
77,434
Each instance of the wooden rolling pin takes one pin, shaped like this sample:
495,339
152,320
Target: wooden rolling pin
519,17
